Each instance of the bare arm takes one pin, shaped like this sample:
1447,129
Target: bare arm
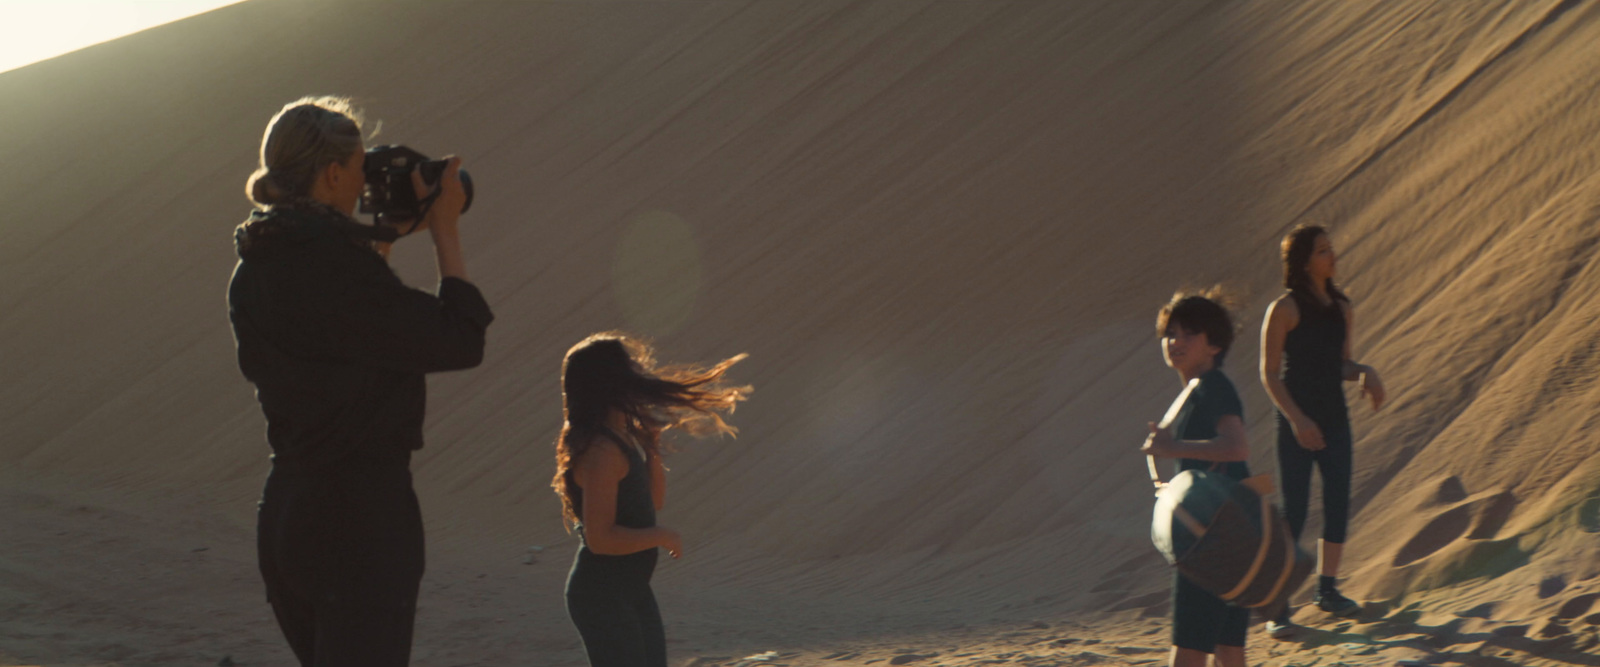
1282,317
658,482
1231,444
1352,370
443,218
1371,384
597,472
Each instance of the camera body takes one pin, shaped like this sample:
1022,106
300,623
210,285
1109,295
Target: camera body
389,192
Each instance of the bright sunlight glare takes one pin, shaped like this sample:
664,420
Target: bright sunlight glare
34,30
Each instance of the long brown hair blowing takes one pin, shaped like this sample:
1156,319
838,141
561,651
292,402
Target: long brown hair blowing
613,371
1297,248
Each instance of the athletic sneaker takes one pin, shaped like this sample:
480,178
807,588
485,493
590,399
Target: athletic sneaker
1280,627
1332,601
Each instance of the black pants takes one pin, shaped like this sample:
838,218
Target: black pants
1333,461
342,559
610,602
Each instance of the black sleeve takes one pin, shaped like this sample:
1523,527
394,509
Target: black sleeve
1227,401
368,317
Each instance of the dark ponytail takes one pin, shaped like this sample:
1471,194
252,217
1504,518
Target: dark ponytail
1297,248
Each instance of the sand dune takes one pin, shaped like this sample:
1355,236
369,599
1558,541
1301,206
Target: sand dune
941,230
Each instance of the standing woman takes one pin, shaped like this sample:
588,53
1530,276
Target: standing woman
612,482
1305,359
337,348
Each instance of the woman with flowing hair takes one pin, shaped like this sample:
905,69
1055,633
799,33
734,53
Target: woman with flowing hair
1305,359
610,476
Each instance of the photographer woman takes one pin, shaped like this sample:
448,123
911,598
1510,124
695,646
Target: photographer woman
611,482
337,348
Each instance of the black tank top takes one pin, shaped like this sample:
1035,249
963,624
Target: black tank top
1313,361
636,506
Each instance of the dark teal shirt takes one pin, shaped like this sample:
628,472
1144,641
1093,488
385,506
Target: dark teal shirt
1214,399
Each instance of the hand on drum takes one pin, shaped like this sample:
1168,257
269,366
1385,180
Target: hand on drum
1159,443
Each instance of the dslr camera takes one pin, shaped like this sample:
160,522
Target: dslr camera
389,193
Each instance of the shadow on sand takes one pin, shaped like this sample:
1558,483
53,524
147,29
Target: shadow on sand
1379,630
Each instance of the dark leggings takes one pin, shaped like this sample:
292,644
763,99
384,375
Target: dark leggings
1334,461
342,560
610,602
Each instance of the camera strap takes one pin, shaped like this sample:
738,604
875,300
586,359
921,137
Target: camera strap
423,206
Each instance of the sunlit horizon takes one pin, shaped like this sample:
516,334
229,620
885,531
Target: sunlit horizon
36,30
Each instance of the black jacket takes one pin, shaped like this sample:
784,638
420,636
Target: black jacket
336,345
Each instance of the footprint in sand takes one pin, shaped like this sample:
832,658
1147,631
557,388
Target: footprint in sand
1493,513
1478,519
1589,515
1551,586
1554,628
1438,534
1511,631
1577,606
1450,491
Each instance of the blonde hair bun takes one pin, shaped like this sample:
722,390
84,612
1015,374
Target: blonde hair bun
301,140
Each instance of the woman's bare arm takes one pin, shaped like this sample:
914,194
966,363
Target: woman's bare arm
597,472
658,481
1282,317
1371,384
1352,370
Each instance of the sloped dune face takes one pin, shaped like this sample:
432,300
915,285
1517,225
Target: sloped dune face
941,230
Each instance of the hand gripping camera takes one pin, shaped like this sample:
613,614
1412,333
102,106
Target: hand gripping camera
389,193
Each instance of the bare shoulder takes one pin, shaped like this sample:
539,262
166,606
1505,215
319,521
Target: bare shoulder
1283,310
601,460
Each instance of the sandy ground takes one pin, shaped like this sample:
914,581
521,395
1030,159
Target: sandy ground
941,229
71,569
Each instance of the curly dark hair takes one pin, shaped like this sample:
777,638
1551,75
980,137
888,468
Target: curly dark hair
1205,311
613,371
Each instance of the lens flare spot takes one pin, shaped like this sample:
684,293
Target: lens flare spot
657,276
